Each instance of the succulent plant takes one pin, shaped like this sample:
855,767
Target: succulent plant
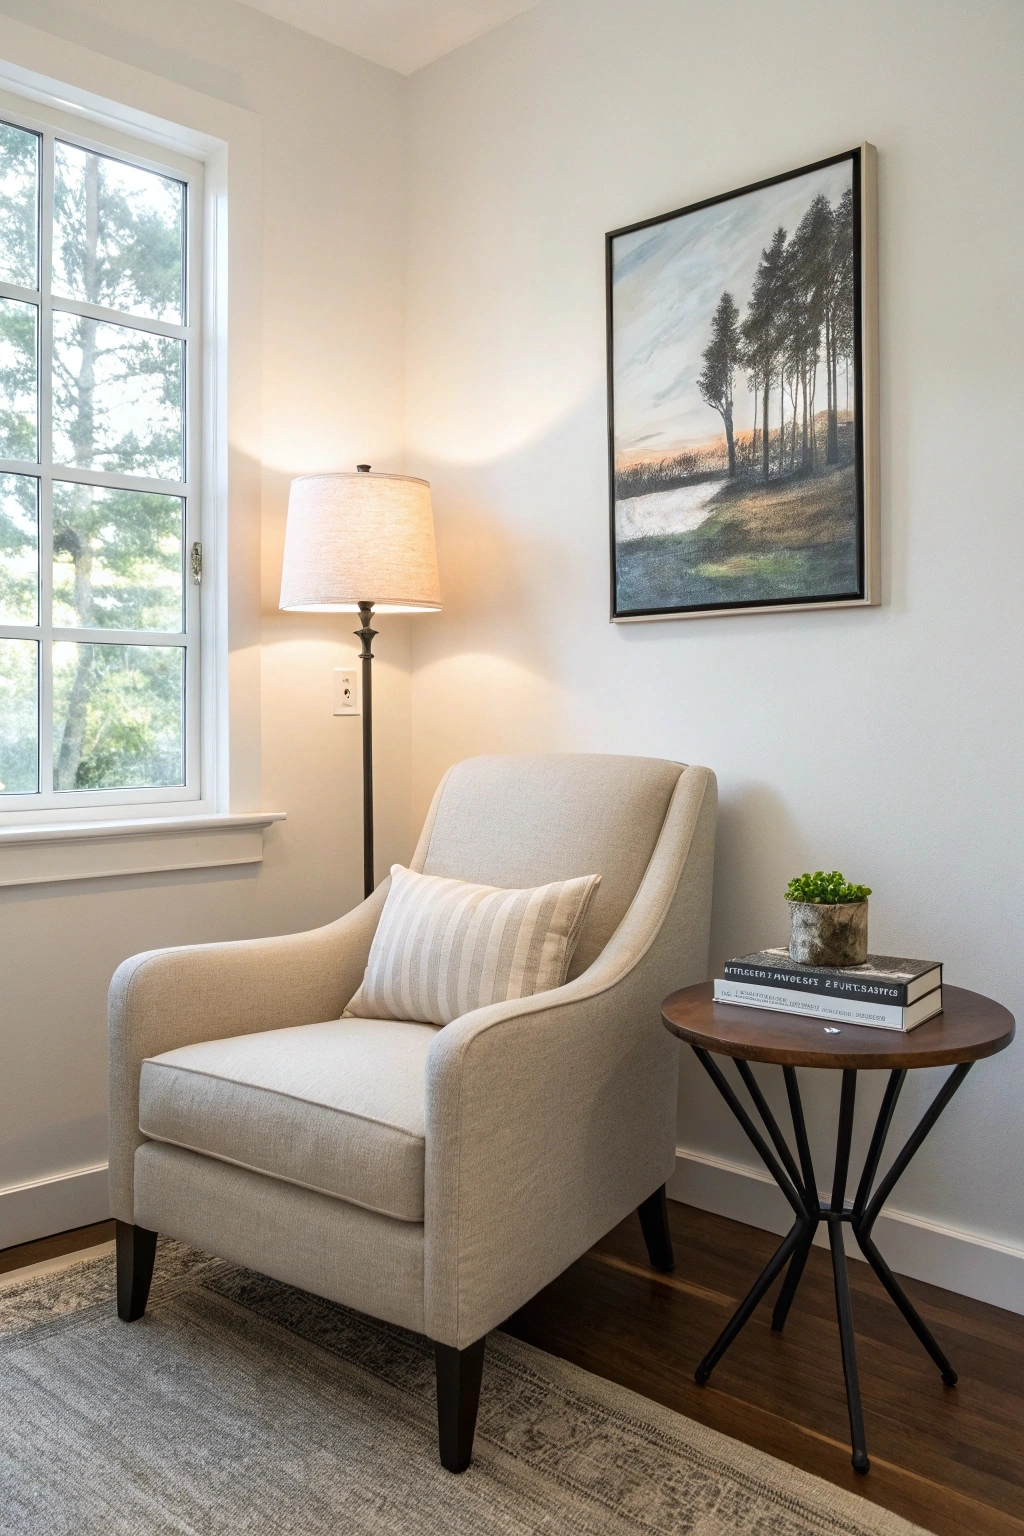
826,890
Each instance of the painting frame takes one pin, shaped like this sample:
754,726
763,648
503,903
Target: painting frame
866,459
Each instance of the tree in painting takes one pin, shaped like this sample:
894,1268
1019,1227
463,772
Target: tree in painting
767,510
721,356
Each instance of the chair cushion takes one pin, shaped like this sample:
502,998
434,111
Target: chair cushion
444,947
337,1108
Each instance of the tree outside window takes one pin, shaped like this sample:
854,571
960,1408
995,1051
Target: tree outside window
93,368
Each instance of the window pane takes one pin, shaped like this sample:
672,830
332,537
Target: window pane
19,717
17,379
19,550
116,398
19,205
117,235
116,559
118,716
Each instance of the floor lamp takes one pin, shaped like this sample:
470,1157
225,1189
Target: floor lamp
360,543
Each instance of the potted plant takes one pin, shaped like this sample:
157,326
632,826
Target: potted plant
828,920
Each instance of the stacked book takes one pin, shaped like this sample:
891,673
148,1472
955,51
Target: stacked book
886,992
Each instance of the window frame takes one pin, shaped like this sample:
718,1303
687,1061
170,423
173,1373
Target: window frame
47,804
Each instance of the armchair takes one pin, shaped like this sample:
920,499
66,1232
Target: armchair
433,1177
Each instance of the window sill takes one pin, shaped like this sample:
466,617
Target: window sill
41,854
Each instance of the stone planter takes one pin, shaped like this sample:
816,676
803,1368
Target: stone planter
823,934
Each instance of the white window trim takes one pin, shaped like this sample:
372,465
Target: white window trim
108,849
226,139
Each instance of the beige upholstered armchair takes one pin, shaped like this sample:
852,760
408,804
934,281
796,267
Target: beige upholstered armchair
433,1177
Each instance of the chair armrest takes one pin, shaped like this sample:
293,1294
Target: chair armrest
549,1118
541,1135
167,998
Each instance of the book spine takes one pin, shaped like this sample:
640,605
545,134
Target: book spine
847,1010
838,986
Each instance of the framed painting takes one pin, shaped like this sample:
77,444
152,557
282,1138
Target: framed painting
742,399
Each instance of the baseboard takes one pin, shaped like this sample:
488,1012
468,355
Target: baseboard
54,1204
966,1262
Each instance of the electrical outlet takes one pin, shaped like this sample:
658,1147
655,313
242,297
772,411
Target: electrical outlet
346,691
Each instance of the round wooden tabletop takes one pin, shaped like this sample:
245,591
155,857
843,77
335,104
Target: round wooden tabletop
970,1026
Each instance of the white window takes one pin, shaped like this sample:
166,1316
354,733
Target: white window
100,458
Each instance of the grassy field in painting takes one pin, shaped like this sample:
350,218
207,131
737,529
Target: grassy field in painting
784,540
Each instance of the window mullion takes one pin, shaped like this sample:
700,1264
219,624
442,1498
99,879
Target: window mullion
119,637
46,477
18,293
192,616
120,317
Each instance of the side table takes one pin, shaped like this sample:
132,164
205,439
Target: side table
970,1028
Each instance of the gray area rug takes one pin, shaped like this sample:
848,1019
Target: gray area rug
241,1405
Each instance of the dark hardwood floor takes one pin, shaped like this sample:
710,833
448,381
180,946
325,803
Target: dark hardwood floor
54,1247
951,1460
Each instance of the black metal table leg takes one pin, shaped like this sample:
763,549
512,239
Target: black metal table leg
772,1127
848,1344
763,1283
806,1215
782,1179
844,1308
866,1207
794,1275
906,1306
810,1186
795,1178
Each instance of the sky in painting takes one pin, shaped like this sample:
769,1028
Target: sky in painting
667,280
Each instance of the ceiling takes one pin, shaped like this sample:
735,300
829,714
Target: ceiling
400,34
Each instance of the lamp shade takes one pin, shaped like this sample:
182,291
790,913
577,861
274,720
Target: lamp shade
360,538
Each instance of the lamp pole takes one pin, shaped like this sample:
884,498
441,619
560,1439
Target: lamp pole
366,634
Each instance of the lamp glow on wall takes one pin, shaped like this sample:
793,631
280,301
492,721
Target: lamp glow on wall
356,543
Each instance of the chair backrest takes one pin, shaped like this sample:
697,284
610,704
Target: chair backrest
516,821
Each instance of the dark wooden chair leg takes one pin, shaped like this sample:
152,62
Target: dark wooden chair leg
136,1250
654,1225
458,1397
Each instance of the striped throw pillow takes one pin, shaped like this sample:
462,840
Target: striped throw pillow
444,947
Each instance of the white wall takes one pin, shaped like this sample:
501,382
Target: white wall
886,743
332,390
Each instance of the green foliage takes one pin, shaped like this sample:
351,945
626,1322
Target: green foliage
117,234
18,716
842,268
19,180
117,555
116,398
802,297
18,555
17,379
763,328
117,716
721,358
825,890
117,558
117,392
